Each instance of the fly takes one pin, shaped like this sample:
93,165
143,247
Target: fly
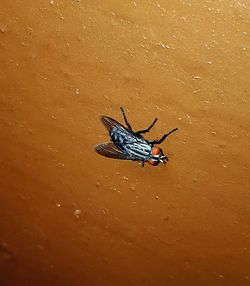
127,144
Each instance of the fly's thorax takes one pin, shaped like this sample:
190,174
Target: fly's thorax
139,150
130,145
119,137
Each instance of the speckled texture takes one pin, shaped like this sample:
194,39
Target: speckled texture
71,217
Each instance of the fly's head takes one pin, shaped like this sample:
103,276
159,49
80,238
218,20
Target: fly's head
157,157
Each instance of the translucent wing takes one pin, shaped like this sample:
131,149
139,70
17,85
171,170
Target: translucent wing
110,150
109,123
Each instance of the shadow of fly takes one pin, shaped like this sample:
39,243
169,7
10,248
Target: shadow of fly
127,144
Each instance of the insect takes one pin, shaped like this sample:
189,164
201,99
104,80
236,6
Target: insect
127,144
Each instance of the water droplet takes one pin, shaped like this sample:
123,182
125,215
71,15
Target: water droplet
77,213
189,118
105,211
184,19
165,46
3,29
115,189
196,91
196,77
132,188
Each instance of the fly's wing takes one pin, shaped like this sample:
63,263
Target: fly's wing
110,150
110,123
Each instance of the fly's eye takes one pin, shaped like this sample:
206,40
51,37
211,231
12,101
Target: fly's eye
153,162
156,151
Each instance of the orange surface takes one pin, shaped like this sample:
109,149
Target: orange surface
71,217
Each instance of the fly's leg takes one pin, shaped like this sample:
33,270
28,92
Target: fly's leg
125,119
143,163
163,137
146,130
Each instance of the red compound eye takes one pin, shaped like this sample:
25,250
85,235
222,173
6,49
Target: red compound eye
153,163
156,151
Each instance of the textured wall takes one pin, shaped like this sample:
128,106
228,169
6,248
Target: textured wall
71,217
